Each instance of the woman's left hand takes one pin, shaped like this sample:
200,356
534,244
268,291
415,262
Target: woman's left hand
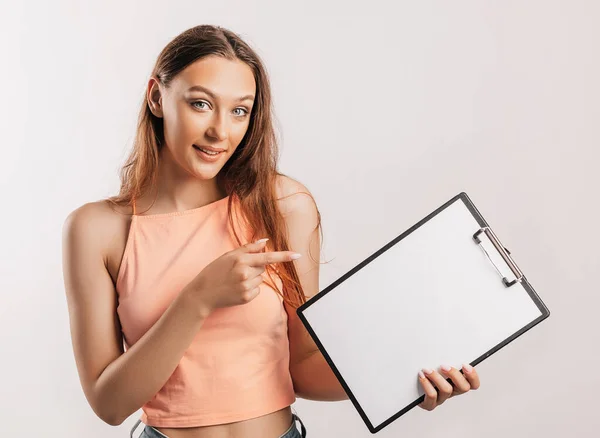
461,383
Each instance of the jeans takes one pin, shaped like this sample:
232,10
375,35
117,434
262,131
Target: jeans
292,432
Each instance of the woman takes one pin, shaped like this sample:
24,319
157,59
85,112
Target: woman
175,305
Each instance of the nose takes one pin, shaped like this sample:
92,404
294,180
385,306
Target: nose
218,128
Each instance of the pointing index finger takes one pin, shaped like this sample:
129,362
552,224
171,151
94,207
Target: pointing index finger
266,258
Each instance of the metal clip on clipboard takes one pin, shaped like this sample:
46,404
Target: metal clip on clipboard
505,253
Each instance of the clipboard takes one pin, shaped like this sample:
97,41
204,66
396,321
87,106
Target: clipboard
445,291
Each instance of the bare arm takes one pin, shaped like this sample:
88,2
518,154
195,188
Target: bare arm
117,384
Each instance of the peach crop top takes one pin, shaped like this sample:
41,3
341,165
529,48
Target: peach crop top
237,366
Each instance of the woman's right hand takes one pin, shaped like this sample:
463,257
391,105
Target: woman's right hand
234,278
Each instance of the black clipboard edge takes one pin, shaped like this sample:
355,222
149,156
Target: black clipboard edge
545,312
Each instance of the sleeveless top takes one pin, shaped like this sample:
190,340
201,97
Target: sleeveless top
237,366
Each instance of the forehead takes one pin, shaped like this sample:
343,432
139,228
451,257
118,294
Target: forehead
228,79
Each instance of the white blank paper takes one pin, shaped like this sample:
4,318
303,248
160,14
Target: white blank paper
433,298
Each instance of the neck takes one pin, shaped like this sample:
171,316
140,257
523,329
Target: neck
177,190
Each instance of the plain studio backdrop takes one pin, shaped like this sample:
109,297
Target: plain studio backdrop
385,110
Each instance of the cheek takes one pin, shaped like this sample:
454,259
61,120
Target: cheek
171,124
238,131
182,127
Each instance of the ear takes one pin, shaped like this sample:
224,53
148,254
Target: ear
154,97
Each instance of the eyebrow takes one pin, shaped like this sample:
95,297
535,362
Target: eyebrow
211,94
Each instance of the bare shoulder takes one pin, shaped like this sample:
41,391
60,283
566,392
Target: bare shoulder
102,226
294,198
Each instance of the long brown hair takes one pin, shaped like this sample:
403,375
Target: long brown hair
249,176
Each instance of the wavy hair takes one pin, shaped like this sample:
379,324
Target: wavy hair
249,176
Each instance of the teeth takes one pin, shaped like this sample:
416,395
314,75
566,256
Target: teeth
209,152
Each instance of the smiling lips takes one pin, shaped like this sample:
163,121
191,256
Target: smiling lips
208,148
208,153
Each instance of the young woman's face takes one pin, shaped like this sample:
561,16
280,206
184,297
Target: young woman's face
208,104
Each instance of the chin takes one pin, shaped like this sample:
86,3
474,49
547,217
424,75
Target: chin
205,170
201,172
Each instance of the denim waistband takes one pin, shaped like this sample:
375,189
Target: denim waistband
292,432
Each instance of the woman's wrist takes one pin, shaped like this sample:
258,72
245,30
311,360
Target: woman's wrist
192,298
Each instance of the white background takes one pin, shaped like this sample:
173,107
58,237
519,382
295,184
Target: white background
386,110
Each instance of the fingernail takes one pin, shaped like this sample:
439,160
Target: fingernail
262,240
446,368
427,370
421,375
468,368
295,256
